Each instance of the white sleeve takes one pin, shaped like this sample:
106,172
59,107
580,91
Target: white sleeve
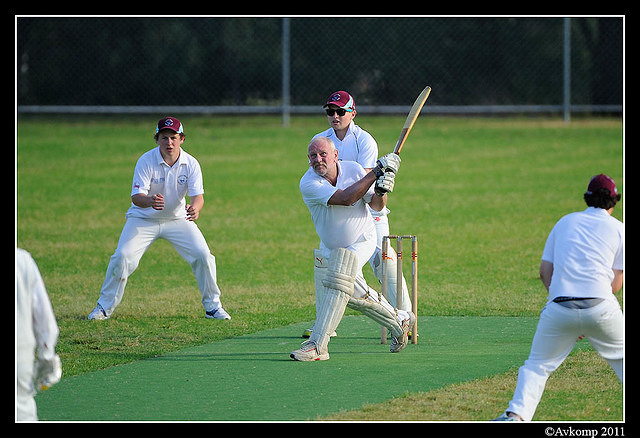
316,190
367,151
547,253
45,328
141,178
618,261
196,186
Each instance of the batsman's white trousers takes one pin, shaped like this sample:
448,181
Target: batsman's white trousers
557,332
137,234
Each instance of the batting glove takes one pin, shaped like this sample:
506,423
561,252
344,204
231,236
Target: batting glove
385,183
389,163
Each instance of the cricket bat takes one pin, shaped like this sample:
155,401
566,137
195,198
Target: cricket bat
411,119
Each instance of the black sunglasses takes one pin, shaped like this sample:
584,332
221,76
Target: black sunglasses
341,111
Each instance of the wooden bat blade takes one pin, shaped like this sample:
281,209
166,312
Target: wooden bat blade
411,119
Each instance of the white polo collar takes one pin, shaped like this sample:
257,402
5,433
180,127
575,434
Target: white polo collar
160,160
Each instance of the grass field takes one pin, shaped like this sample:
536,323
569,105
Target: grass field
482,194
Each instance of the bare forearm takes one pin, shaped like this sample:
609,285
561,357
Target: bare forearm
197,201
618,279
354,192
546,272
378,202
142,201
155,201
193,209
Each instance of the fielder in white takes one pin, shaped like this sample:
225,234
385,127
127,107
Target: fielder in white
162,178
581,267
337,194
37,364
355,144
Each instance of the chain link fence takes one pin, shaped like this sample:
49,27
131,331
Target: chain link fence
257,64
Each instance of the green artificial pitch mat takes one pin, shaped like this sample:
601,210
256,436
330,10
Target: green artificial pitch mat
252,378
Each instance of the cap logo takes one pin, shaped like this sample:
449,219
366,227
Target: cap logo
169,123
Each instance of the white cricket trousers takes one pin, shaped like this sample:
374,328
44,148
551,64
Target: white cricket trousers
557,332
137,234
26,409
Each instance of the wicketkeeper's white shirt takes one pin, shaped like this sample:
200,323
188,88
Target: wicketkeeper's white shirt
338,226
152,175
357,145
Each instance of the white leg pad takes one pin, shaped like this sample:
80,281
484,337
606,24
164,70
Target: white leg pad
376,307
331,309
337,287
320,266
342,270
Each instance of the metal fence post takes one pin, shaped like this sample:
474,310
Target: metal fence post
286,78
566,69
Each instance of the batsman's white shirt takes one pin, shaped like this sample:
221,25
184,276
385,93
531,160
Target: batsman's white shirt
152,175
338,226
584,248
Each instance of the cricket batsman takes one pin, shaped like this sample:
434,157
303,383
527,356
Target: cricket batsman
355,144
338,195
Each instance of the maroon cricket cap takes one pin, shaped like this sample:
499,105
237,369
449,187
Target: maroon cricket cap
169,123
342,99
602,181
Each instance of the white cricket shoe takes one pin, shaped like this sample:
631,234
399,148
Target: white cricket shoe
98,313
218,313
398,343
309,352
